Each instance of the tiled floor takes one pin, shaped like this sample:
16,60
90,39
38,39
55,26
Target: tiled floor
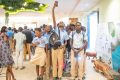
29,73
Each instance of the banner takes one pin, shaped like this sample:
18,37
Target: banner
103,43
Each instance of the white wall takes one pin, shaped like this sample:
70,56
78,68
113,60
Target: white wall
109,10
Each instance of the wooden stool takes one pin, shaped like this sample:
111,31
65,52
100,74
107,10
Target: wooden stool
106,70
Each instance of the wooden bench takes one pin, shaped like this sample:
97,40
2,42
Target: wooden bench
106,70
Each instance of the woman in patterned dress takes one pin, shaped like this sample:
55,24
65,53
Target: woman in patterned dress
6,59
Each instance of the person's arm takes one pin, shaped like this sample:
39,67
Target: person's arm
14,44
34,42
46,44
84,46
53,14
24,40
14,41
85,42
46,48
71,41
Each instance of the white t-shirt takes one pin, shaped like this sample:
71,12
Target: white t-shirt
20,38
78,39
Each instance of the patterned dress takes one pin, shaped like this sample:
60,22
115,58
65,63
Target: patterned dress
5,53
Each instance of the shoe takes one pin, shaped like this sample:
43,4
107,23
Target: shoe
14,79
16,68
22,68
80,79
55,78
72,78
47,78
60,78
83,78
38,78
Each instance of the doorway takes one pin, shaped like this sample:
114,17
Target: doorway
93,20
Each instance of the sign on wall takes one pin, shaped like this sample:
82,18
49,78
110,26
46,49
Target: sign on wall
73,20
103,43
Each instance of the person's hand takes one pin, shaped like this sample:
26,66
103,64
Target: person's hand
55,4
62,46
37,43
76,53
5,38
72,48
14,49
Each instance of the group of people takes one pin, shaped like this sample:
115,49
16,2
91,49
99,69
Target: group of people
46,55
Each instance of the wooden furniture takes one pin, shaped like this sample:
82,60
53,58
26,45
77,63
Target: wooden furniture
106,70
91,54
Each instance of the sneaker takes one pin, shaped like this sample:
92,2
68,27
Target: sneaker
16,68
38,78
83,78
47,78
60,78
80,79
22,68
72,78
41,78
54,78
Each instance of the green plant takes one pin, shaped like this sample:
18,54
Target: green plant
15,6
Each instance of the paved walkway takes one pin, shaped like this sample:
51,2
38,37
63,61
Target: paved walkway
29,73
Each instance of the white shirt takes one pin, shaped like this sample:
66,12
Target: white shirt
63,35
20,38
78,39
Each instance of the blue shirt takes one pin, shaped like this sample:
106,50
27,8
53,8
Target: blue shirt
47,35
42,41
10,33
63,35
33,34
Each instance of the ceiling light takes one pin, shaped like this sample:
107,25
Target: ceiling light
10,7
22,8
36,8
41,4
25,4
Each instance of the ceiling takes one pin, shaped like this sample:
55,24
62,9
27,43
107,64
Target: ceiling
70,7
66,8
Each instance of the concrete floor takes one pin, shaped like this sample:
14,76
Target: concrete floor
29,73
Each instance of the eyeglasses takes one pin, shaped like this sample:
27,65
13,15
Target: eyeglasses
78,25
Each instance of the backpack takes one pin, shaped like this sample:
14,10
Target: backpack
55,40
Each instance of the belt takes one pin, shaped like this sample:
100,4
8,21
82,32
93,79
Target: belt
77,48
39,47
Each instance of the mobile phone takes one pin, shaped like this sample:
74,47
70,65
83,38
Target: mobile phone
56,3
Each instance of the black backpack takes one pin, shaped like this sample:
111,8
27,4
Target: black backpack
55,40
